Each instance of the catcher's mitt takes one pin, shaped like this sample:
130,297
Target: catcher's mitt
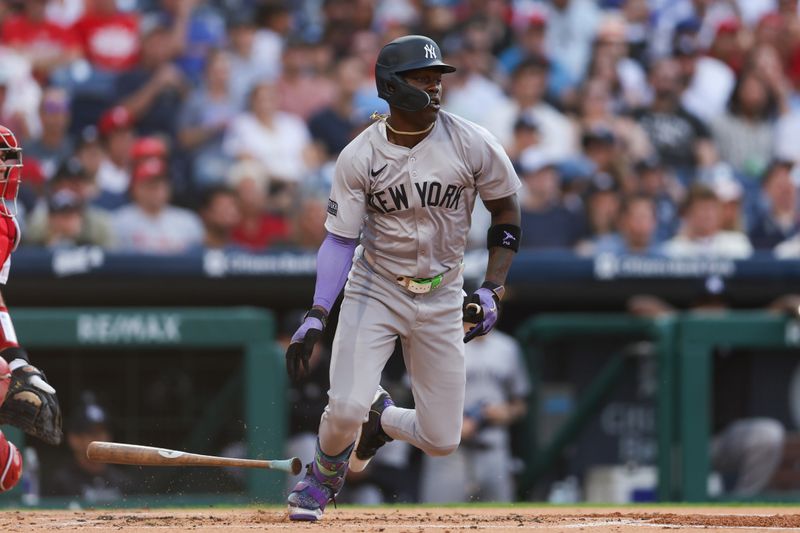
31,403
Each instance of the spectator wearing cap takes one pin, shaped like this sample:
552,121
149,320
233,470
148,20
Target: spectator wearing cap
744,134
204,117
526,137
529,40
153,90
219,210
727,45
602,150
779,220
721,179
54,146
149,224
67,218
109,37
46,44
113,174
260,226
78,477
657,183
64,220
147,147
280,141
527,91
90,153
334,126
701,234
636,230
681,140
547,224
602,201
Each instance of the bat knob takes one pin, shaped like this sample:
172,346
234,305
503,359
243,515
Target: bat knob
297,466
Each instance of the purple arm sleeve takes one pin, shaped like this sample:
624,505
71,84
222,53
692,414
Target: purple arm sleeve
336,254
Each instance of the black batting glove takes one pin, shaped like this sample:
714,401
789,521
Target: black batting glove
303,341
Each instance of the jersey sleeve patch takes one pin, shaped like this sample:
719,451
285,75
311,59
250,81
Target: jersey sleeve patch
333,207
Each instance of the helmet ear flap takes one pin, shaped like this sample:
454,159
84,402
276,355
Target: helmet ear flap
405,96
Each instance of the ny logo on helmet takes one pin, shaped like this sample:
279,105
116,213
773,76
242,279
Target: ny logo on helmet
430,51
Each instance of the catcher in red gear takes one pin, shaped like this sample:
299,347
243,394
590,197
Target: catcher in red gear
27,401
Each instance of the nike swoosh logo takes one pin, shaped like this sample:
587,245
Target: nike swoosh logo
376,172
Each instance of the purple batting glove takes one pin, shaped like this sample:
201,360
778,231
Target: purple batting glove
301,346
480,309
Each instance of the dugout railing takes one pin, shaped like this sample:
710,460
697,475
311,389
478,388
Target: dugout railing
542,333
260,384
683,346
698,335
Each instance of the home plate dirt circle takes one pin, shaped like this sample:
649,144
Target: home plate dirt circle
412,519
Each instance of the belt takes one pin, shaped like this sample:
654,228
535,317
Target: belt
415,285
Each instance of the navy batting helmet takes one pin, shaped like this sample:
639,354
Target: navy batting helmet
401,55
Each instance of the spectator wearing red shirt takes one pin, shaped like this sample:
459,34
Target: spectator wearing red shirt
110,37
45,44
258,228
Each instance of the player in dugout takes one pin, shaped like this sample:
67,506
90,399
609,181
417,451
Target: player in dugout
27,401
406,186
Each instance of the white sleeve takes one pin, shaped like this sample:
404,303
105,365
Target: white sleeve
494,173
347,204
5,271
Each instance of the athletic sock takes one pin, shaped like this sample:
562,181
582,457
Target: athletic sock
331,470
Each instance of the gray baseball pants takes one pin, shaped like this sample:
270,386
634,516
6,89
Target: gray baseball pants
374,312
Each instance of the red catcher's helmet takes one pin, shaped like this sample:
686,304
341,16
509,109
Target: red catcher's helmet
10,170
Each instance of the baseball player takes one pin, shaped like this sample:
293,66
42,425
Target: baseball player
406,186
27,401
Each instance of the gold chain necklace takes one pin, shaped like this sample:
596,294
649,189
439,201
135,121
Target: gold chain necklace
379,116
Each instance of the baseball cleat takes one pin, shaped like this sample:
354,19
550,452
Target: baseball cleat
309,497
371,436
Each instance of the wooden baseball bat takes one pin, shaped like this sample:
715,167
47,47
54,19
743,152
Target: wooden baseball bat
134,454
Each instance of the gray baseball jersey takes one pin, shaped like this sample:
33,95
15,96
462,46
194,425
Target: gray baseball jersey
415,204
412,208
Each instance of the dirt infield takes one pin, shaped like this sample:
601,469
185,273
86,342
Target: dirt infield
413,520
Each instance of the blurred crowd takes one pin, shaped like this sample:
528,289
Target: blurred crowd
649,127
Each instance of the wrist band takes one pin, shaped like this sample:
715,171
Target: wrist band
504,236
319,314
